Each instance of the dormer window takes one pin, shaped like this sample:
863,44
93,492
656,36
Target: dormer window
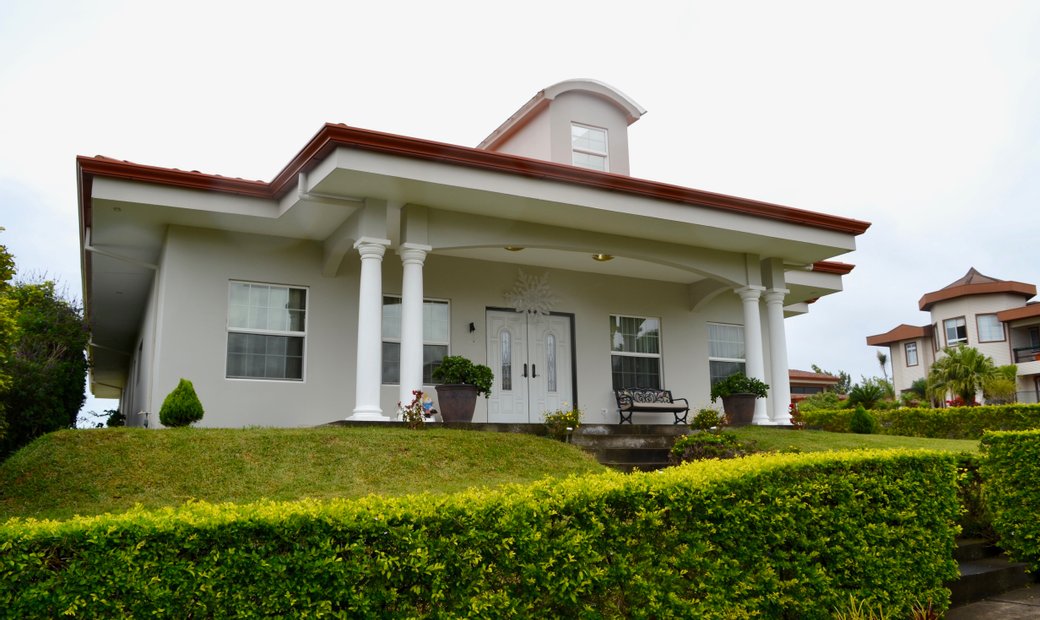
589,147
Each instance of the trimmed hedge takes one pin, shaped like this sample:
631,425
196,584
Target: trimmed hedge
1011,489
948,423
791,535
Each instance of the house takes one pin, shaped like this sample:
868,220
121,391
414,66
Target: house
992,315
805,383
332,291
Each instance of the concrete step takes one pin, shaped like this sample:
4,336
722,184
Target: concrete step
987,577
974,549
633,429
629,447
985,572
626,459
660,442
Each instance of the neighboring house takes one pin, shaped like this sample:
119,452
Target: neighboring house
332,291
805,383
986,313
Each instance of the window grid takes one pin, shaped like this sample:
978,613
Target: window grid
635,356
267,328
911,353
726,354
956,331
990,328
589,146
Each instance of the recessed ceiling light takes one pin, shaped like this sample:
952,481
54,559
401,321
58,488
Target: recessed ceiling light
514,248
602,257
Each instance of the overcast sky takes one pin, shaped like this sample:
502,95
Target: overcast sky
921,117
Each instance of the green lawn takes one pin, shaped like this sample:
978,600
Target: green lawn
95,471
815,441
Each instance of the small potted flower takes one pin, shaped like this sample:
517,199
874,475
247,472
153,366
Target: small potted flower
461,382
416,413
739,393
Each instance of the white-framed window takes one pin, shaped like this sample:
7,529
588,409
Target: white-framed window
635,352
991,329
725,350
267,330
588,146
910,348
436,337
956,331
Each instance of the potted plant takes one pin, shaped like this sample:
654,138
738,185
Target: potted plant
738,393
461,382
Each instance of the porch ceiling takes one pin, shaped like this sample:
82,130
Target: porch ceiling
579,261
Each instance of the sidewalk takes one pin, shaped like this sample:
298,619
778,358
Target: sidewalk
1014,605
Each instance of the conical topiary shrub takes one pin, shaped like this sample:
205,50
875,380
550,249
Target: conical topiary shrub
862,421
181,406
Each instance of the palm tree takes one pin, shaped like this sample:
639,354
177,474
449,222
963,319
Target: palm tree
962,371
882,359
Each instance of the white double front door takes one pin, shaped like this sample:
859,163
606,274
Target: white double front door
530,355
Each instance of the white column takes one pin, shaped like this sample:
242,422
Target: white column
412,257
780,388
754,357
370,331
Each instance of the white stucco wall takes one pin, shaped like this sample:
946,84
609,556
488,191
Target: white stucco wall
134,401
970,307
588,109
903,376
192,329
532,140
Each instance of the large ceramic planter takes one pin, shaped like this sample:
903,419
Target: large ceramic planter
739,408
457,402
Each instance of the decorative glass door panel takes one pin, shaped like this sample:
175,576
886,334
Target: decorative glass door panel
531,356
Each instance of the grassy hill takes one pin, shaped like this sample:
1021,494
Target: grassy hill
777,439
95,471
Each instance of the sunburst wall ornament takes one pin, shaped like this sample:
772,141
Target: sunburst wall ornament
531,294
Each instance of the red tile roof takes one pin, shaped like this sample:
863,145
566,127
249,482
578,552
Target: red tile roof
1027,311
333,136
903,332
974,283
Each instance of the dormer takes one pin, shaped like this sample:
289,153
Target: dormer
578,122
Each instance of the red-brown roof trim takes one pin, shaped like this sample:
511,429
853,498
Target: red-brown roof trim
333,136
1025,312
807,375
900,333
984,288
837,268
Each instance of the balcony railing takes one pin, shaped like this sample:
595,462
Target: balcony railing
1027,398
1026,354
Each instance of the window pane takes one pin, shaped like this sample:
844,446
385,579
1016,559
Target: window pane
726,341
990,329
392,317
956,331
270,308
634,334
911,353
433,355
391,362
435,321
719,370
586,160
589,138
640,372
505,346
258,356
550,354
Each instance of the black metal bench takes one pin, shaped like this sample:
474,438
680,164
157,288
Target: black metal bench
649,400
